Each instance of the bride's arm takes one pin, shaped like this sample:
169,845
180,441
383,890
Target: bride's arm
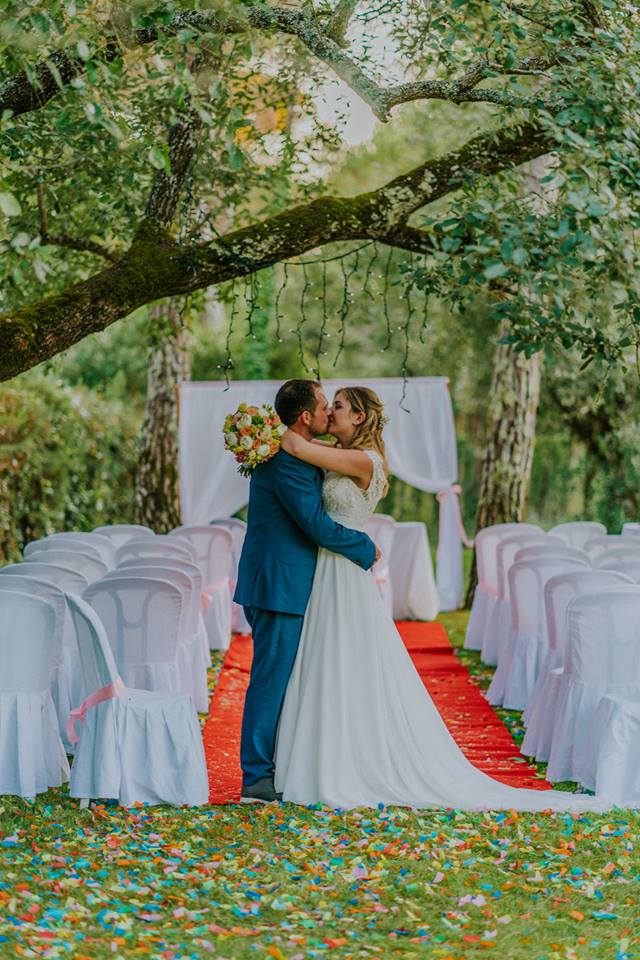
352,463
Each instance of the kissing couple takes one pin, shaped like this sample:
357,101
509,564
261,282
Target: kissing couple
335,711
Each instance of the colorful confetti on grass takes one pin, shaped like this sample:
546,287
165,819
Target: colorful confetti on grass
294,883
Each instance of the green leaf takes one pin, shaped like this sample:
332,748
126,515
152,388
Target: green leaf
496,269
9,205
159,159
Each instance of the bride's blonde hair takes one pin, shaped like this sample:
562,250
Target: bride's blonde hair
368,434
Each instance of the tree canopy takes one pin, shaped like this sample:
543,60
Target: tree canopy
152,150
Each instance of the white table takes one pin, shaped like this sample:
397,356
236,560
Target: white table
415,595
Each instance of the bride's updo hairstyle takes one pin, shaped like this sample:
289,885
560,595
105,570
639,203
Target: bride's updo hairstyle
368,434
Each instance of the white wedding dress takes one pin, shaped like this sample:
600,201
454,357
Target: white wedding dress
358,727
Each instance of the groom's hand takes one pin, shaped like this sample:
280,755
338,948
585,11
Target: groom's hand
378,554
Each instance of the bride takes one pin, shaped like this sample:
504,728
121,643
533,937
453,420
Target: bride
358,727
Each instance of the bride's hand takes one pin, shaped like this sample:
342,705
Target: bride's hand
287,441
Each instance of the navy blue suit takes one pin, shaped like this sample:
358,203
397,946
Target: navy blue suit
286,525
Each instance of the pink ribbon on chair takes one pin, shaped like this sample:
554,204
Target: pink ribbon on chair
210,591
456,490
115,689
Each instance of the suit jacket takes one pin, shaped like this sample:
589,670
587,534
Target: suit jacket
286,525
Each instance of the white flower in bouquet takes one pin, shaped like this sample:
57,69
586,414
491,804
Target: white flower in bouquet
252,434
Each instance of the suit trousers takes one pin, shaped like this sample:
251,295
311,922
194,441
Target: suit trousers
275,643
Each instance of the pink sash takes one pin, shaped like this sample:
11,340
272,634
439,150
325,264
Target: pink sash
209,592
111,690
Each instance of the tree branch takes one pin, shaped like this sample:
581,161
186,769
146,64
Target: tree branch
155,266
340,19
19,95
166,188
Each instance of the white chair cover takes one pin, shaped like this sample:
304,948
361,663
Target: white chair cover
142,619
603,656
32,756
631,568
498,625
214,556
577,532
61,542
632,552
381,529
89,543
135,746
92,567
203,656
413,584
64,577
486,593
60,673
539,715
526,651
120,533
68,580
237,528
618,751
164,547
631,529
192,666
597,546
557,550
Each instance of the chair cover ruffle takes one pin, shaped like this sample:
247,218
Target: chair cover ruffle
141,747
617,775
497,633
540,715
481,608
522,665
33,758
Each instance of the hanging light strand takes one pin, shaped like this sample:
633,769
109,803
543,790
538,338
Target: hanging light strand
344,308
281,290
323,322
306,286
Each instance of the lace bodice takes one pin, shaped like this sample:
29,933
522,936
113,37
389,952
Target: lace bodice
346,502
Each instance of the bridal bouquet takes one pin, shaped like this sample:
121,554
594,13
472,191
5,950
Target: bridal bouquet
252,434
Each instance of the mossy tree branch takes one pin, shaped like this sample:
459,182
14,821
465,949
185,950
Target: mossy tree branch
155,266
26,91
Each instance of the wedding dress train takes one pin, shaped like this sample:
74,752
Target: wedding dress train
358,727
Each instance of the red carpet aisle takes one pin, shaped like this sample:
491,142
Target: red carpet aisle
479,732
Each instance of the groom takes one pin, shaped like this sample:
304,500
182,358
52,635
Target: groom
286,525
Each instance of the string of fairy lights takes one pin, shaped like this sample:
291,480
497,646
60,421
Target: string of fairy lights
365,272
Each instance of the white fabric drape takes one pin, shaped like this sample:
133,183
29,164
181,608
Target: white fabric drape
420,441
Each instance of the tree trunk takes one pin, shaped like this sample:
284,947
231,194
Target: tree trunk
510,439
157,499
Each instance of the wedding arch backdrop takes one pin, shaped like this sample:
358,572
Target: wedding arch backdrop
420,441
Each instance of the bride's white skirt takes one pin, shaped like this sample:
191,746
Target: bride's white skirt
358,727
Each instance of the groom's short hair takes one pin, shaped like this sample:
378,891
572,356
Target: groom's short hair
294,397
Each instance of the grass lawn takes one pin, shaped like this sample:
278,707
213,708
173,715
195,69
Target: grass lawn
289,882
